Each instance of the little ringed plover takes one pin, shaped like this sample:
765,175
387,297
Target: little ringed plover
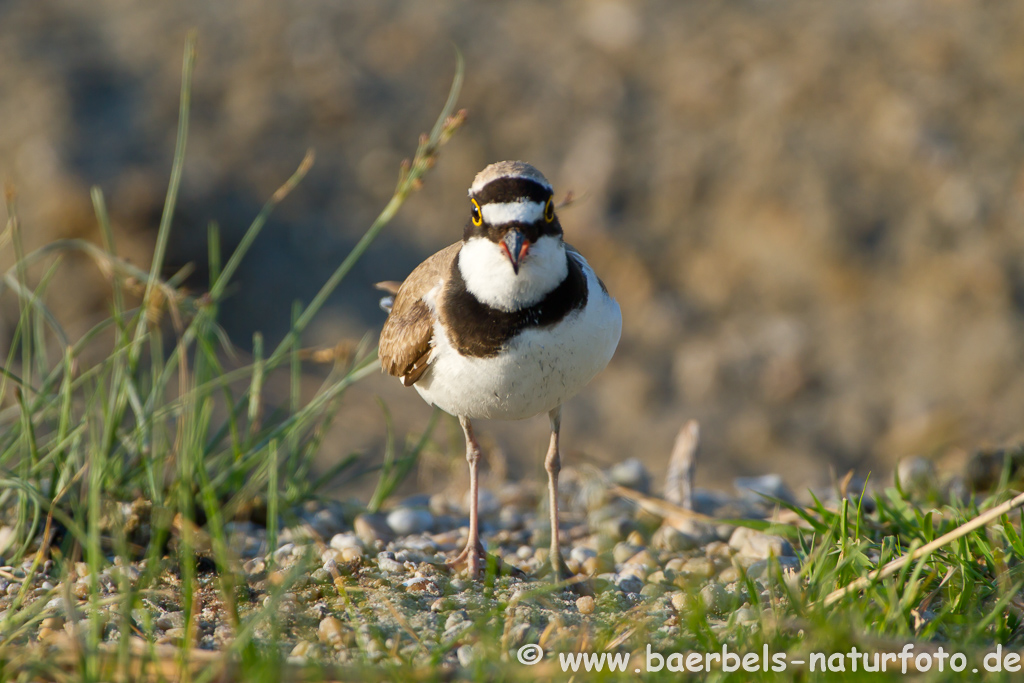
508,323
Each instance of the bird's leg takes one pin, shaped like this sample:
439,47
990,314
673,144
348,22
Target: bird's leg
553,464
474,553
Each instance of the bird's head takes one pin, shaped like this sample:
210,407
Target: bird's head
512,253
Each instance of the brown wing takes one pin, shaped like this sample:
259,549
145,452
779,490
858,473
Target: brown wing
405,339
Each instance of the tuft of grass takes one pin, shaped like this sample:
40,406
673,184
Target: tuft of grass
151,451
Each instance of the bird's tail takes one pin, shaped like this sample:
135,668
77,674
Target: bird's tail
391,287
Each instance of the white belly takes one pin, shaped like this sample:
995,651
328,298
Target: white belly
537,371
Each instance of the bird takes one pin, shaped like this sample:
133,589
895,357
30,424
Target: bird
507,323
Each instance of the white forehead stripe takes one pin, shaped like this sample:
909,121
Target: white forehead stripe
507,169
523,212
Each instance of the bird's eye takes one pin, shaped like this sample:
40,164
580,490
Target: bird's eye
549,210
478,218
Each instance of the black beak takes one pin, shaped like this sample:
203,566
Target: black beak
516,245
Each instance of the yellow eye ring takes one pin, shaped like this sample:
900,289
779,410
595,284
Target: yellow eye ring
549,210
477,215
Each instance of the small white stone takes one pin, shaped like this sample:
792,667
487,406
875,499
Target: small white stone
407,521
345,540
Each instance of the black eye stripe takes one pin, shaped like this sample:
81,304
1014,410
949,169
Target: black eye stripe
504,190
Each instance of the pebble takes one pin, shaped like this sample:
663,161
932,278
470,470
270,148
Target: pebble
653,590
351,554
718,551
56,606
301,651
715,597
669,538
52,623
628,583
407,521
455,619
283,553
614,528
174,635
330,631
418,543
386,562
623,551
644,558
635,538
372,528
745,615
586,604
729,575
759,569
466,655
702,532
255,566
701,567
637,570
631,474
675,564
758,544
598,564
169,620
581,553
345,540
422,585
681,601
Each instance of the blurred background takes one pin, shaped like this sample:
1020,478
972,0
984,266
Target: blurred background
812,213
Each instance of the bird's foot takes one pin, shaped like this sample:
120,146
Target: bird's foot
556,569
473,556
475,559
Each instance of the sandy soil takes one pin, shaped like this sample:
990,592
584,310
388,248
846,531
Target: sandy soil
810,212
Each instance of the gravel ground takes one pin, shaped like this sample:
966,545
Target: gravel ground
362,586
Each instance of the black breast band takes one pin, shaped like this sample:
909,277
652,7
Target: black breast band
478,330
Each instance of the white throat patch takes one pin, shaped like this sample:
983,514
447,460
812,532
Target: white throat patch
489,276
510,212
